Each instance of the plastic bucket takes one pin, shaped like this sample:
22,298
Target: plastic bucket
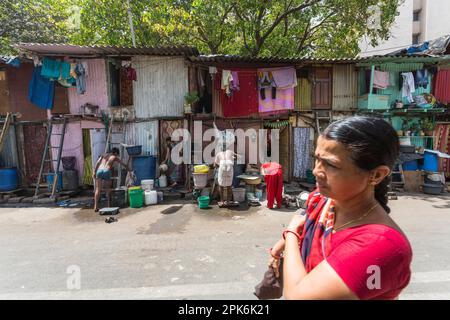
239,194
147,184
151,197
200,180
430,162
412,165
203,202
136,195
9,179
59,184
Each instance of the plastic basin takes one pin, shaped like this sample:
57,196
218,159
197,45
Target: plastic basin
203,202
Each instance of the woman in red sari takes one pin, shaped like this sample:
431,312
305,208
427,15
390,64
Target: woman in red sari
346,246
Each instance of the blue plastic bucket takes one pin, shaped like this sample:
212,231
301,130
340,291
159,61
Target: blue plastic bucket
144,168
59,184
412,165
430,162
9,179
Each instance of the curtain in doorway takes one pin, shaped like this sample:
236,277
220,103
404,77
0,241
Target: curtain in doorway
87,171
302,146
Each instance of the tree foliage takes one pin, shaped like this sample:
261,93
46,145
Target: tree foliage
33,21
323,28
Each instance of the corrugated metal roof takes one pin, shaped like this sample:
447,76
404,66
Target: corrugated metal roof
311,60
97,51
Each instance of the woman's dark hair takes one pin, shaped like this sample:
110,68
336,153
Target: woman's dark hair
372,142
115,151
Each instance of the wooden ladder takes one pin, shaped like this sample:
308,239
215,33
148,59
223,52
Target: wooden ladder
47,156
321,115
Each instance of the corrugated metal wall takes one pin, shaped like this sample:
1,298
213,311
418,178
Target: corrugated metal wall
161,85
8,156
96,88
345,85
145,134
302,98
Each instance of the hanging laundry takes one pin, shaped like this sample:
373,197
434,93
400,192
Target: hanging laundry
380,79
442,86
81,78
85,67
51,69
41,90
227,78
282,97
265,80
421,79
37,62
130,73
302,149
242,103
201,81
235,81
284,78
408,87
73,74
65,71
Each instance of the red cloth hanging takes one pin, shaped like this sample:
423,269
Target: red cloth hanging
244,102
442,86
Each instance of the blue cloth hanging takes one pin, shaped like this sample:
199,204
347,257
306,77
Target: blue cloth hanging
41,90
51,69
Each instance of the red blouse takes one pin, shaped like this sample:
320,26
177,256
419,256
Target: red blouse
373,260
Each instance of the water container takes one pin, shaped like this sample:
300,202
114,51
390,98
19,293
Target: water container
151,197
59,184
136,197
412,165
160,196
162,181
430,162
144,167
9,179
239,194
200,180
70,180
148,184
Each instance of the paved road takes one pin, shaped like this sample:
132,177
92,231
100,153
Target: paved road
177,251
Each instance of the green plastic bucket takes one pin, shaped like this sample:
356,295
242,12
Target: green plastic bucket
203,202
136,197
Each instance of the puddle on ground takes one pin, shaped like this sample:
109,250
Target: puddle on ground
173,220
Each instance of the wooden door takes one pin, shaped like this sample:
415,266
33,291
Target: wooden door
285,152
4,93
321,88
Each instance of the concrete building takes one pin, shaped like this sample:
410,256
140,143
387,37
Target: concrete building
418,21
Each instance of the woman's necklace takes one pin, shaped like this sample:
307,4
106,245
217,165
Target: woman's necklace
355,220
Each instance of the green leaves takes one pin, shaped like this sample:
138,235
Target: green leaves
287,28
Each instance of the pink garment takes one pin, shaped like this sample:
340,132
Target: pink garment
284,77
380,79
284,101
235,81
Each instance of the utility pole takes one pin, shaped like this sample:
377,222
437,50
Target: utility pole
130,20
